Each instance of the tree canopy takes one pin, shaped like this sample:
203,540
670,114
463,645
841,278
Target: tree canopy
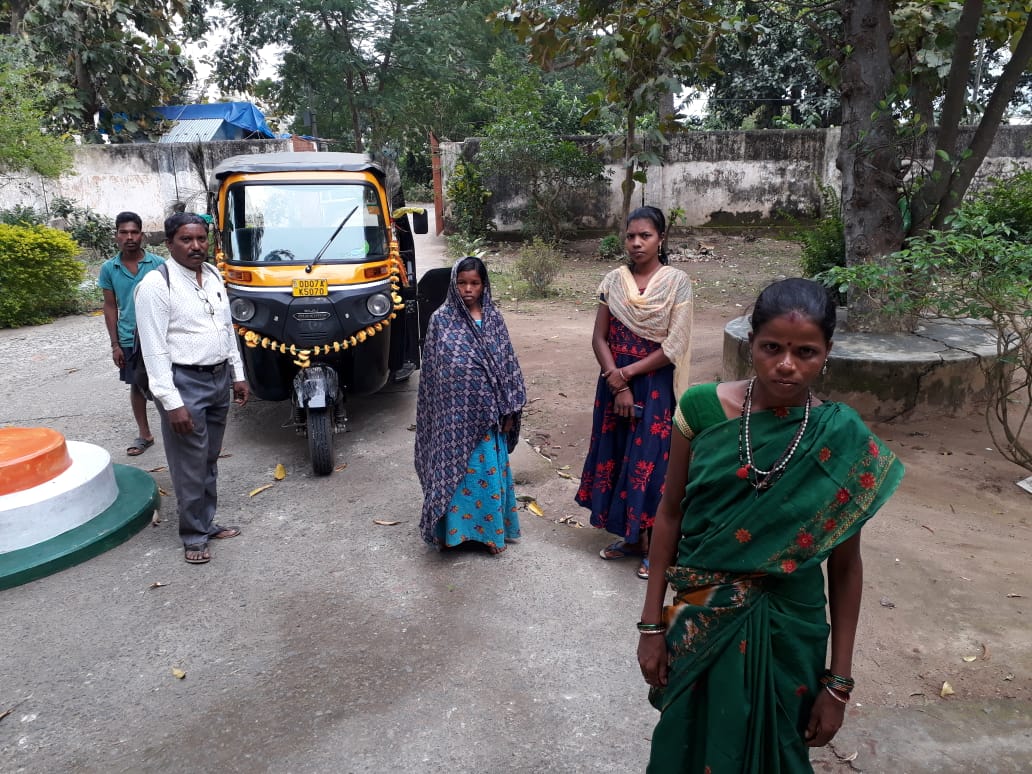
116,57
23,106
644,52
372,72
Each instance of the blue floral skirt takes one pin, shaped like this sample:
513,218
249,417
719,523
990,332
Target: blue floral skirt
483,507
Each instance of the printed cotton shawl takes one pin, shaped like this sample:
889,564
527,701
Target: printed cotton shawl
469,381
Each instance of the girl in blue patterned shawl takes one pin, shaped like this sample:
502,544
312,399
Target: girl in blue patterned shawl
471,396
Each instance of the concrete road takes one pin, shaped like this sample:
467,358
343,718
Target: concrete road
318,641
322,642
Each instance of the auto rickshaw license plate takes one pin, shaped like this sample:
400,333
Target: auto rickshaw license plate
310,287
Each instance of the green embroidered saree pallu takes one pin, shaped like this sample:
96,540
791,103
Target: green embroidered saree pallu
747,631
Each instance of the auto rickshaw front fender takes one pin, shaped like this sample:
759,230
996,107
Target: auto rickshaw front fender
315,387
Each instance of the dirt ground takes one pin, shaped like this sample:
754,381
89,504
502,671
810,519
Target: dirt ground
947,582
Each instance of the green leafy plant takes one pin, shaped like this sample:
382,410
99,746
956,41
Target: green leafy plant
975,269
609,247
20,215
418,192
538,265
824,242
1007,200
468,197
39,274
93,231
460,246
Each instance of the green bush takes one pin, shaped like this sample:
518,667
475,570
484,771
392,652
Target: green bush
1008,201
974,268
90,229
609,247
20,215
460,246
538,265
39,274
418,192
467,195
824,246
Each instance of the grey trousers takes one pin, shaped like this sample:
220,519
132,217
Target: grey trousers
193,458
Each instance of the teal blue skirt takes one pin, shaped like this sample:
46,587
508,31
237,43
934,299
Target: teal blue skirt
483,507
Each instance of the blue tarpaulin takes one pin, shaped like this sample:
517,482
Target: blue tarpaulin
241,114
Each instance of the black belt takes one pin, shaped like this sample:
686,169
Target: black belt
204,369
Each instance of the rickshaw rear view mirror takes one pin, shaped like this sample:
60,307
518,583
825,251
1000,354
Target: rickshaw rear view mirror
420,224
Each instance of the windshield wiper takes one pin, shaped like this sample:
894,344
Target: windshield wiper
325,247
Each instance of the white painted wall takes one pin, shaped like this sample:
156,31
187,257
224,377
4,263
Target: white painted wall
143,177
733,178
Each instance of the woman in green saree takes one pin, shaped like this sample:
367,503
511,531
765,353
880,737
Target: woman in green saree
765,483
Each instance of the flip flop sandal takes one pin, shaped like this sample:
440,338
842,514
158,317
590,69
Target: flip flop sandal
224,533
620,548
204,557
139,446
643,569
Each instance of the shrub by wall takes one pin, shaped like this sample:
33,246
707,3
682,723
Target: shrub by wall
39,274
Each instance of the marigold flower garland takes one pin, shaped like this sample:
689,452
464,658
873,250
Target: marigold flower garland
303,356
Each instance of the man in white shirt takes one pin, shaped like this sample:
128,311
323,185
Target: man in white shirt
186,334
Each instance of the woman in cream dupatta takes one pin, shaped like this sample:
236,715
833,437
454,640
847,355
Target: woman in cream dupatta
642,343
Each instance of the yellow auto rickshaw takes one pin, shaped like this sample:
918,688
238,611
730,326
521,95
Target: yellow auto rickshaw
321,276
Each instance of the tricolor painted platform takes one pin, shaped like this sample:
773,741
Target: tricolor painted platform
63,502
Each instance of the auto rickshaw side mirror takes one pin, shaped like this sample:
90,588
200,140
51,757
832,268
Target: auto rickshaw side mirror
420,221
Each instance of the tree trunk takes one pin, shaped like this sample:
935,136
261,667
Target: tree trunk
869,158
627,186
18,9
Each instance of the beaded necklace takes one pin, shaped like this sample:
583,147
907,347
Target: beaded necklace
764,479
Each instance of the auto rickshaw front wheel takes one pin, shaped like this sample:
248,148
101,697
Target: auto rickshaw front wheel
319,424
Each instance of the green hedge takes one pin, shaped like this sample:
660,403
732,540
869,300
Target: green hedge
39,274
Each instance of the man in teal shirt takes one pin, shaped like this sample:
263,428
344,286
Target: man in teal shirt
118,278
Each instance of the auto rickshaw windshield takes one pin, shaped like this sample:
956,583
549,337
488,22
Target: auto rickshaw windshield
284,222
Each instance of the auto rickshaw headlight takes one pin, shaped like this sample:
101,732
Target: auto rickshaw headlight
378,304
242,309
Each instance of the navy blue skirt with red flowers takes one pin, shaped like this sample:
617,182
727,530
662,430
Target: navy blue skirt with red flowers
622,481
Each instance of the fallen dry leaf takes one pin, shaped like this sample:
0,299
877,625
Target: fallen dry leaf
157,469
928,528
886,602
224,456
985,652
5,713
178,673
968,659
162,492
534,508
260,489
385,522
280,473
411,427
157,585
1008,677
947,690
341,467
563,474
